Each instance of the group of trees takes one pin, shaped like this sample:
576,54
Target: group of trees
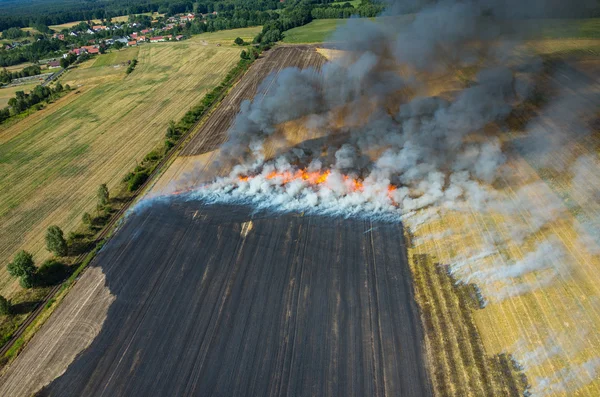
14,33
366,9
52,271
23,101
39,49
131,66
23,267
6,76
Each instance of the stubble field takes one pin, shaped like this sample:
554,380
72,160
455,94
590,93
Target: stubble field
54,160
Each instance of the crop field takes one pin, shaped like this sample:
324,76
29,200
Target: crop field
54,160
190,297
295,313
226,37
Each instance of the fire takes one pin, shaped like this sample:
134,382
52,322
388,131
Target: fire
312,177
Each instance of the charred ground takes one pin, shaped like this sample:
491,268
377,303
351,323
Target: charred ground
213,300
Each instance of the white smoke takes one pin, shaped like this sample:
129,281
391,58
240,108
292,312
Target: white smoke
568,380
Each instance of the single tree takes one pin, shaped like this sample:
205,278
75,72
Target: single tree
23,267
244,55
55,241
238,41
4,305
103,194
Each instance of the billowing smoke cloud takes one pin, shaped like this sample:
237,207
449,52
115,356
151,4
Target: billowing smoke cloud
387,140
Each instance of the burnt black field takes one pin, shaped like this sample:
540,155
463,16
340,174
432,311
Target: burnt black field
299,306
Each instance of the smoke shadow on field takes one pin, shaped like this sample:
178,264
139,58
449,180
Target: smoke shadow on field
214,300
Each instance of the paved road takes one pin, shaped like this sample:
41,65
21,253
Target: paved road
212,301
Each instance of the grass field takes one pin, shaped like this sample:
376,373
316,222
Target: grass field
315,32
9,92
53,161
319,30
116,57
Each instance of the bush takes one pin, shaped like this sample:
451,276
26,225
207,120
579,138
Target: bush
55,241
128,177
86,218
137,181
239,41
152,156
102,194
168,145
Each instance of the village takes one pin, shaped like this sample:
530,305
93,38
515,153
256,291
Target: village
161,29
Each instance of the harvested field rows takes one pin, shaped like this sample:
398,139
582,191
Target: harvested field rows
53,163
233,304
548,325
190,167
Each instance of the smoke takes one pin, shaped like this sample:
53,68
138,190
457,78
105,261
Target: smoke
410,122
568,380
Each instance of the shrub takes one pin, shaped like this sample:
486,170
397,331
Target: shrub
86,218
102,194
152,156
137,181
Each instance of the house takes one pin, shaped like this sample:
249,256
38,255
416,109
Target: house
53,64
145,31
157,39
168,37
74,34
132,43
99,27
141,38
90,31
91,49
134,35
58,36
121,40
179,37
76,51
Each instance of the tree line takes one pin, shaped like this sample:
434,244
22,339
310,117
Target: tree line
6,76
23,101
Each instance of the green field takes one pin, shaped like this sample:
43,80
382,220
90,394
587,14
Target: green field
319,30
315,32
116,57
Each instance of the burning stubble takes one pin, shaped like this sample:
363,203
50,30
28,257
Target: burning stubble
379,147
